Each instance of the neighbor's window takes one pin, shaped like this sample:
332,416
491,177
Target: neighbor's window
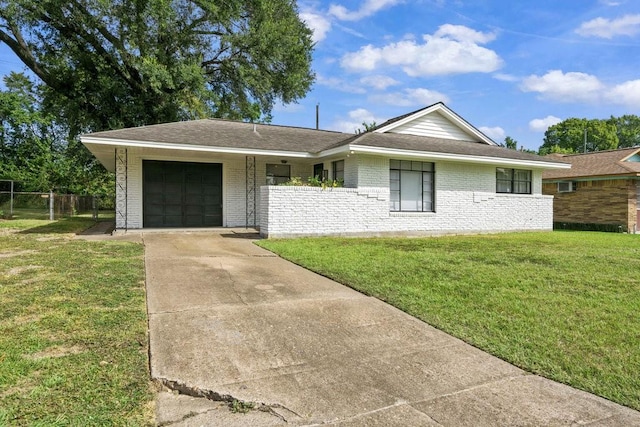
277,174
338,170
412,186
517,181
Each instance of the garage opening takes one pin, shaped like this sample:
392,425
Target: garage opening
179,194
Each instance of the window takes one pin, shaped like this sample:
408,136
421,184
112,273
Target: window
517,181
566,187
412,186
278,174
338,170
319,172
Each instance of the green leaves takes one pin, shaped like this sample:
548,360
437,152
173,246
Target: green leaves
569,136
119,64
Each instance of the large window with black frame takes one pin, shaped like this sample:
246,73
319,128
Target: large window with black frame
516,181
412,186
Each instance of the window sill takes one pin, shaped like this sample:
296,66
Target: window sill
405,214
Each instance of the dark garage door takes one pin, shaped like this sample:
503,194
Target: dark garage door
177,194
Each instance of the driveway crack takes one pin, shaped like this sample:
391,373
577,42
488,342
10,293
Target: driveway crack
231,401
233,285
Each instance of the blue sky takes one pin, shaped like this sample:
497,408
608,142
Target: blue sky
509,68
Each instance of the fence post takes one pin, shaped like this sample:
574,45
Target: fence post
11,203
51,216
94,208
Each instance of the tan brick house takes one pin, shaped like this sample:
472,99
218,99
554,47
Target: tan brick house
600,189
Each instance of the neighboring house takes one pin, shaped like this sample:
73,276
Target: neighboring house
601,189
425,172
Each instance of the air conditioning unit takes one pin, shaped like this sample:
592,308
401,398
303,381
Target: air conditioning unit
566,187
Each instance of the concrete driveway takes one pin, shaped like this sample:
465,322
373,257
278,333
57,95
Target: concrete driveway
229,320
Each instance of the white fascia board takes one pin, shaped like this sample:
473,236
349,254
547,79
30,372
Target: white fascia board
391,152
443,109
200,148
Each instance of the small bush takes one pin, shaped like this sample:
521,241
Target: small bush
580,226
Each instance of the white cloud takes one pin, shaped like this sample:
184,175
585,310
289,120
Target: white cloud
610,3
569,87
288,108
379,82
339,84
355,120
627,93
410,98
541,125
628,25
496,133
368,8
317,23
464,34
451,49
505,77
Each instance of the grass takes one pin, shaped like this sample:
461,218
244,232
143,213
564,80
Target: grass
72,328
564,305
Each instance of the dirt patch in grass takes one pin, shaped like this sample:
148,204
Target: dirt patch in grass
17,253
19,270
56,351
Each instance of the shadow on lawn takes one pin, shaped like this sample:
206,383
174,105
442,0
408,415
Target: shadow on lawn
80,226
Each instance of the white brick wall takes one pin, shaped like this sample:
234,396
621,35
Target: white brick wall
466,201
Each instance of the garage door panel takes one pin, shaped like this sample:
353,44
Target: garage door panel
177,194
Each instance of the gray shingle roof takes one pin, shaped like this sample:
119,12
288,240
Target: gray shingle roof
240,135
229,134
599,163
440,145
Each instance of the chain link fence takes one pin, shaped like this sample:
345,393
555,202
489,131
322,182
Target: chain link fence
34,205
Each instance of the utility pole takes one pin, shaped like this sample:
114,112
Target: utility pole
318,116
585,140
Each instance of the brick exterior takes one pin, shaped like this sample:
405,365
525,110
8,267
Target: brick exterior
612,201
466,202
465,199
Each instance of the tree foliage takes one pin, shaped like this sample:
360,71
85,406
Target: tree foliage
569,136
35,150
111,64
627,130
366,127
510,143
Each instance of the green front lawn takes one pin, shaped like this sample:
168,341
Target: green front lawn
565,305
73,343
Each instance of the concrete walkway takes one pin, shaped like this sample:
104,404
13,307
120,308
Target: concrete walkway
229,320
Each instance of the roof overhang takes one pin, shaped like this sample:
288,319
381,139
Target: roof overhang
462,158
103,148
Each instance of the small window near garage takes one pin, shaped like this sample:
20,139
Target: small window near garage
338,170
566,187
319,172
412,186
516,181
278,174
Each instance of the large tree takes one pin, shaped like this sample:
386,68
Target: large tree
569,136
35,150
117,63
627,129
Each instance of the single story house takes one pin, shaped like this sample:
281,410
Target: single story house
427,172
601,189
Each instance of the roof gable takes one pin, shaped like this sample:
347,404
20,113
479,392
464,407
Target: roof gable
436,121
